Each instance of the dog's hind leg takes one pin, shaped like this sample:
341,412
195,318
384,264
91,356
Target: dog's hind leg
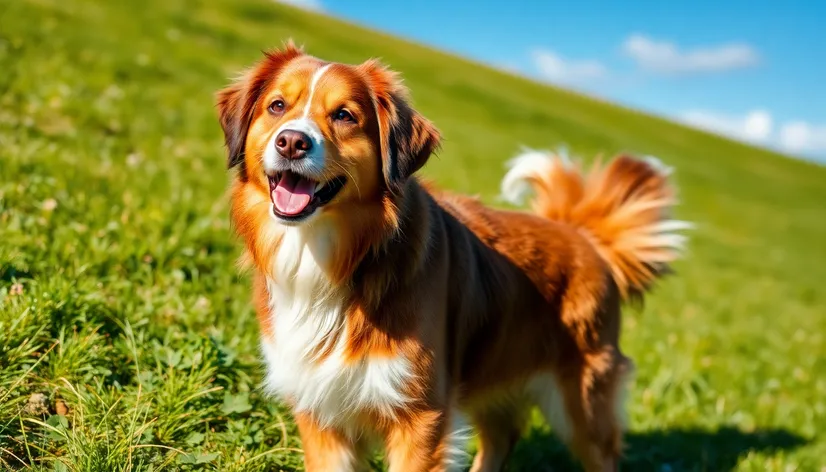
499,427
583,403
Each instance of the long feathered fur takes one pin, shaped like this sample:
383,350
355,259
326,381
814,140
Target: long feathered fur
624,207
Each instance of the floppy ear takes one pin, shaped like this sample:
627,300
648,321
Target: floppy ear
236,103
407,138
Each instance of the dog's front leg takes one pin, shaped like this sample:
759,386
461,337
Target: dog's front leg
327,449
419,443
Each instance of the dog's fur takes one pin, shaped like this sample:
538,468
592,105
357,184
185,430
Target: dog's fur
395,310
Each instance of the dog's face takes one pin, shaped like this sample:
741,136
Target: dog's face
322,137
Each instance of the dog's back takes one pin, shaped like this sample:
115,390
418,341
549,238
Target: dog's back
537,296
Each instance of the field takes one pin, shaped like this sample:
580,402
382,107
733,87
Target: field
127,340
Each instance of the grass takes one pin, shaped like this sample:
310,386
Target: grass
127,341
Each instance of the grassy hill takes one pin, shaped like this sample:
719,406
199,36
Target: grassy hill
126,336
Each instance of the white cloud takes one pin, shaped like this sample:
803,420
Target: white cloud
757,127
555,68
803,138
305,4
665,57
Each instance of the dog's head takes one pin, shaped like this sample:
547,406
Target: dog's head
318,137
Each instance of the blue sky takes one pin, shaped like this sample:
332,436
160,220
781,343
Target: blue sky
753,70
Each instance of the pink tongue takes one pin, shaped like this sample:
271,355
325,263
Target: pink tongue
293,193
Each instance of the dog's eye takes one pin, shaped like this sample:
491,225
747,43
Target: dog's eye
343,115
276,107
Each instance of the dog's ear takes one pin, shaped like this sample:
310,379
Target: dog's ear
407,139
236,103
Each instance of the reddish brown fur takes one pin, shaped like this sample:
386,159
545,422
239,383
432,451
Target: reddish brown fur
481,299
616,205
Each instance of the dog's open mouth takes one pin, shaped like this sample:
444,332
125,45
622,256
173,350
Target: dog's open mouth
295,196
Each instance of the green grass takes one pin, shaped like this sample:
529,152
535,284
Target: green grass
120,303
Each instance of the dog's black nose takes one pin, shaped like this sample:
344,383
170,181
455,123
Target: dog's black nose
293,144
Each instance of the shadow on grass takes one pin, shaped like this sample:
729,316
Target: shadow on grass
661,451
9,272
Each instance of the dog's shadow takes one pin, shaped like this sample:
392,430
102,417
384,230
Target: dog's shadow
669,450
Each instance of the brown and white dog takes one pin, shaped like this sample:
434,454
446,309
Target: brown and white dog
389,310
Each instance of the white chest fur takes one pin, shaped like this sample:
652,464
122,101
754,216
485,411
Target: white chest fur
306,354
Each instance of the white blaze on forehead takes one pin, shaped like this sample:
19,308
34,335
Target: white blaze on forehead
313,84
314,163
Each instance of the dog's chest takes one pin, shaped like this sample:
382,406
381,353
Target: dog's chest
308,363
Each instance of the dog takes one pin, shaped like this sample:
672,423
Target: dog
391,312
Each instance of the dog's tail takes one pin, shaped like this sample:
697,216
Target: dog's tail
623,208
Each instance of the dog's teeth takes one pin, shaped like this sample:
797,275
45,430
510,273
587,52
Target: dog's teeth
318,186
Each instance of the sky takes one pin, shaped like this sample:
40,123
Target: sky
751,70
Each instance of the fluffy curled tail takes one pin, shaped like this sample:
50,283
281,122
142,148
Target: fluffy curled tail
623,208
